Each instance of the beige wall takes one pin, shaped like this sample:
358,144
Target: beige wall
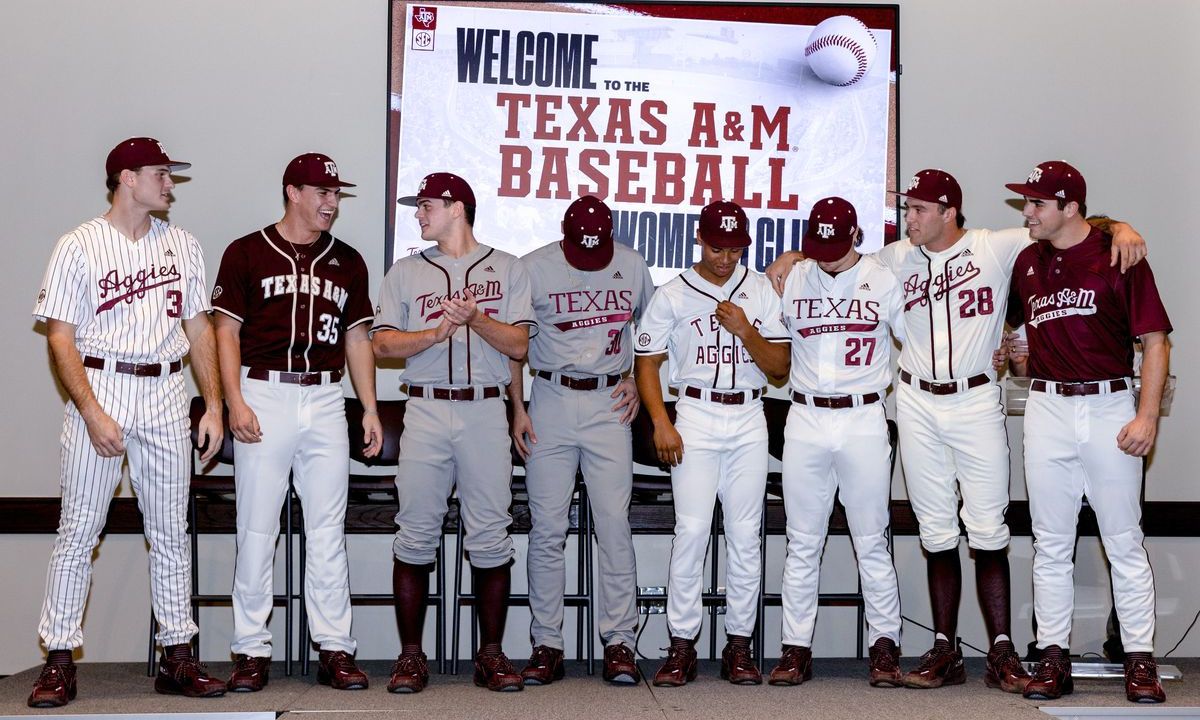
238,88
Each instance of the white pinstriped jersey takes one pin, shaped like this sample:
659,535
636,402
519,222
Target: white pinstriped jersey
681,320
125,298
839,327
585,318
411,298
954,301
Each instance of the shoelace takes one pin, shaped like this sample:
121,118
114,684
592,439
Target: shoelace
409,664
498,663
930,657
52,674
246,663
1142,673
741,658
884,659
620,653
1048,669
187,669
791,657
341,662
542,656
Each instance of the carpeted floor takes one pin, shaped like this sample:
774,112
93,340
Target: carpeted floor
838,690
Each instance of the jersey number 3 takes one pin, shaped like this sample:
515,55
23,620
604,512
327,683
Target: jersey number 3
174,303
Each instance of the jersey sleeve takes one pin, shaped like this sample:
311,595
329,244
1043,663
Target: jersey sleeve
1147,313
889,255
358,306
1015,315
772,328
645,290
519,308
1008,244
654,329
62,293
895,312
230,290
196,300
392,313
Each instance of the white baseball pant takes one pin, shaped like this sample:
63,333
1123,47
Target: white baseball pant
1071,452
153,415
304,433
725,456
843,452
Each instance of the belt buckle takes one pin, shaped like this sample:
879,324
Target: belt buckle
307,379
943,388
146,370
727,398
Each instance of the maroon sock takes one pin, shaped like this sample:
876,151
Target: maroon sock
60,657
410,587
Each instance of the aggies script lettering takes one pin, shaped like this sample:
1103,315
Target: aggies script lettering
430,304
133,285
916,290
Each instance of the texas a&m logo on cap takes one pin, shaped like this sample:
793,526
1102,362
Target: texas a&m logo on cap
1034,176
825,230
589,241
331,168
729,223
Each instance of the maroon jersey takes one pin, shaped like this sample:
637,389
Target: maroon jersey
295,302
1082,315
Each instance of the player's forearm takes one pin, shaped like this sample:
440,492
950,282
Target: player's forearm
516,386
229,355
203,355
1156,353
645,374
360,361
402,344
69,366
774,359
512,340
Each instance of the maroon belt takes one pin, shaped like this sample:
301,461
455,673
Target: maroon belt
128,368
1077,389
836,402
295,378
590,383
943,388
738,397
455,394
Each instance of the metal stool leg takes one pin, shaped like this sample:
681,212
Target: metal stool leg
456,611
288,563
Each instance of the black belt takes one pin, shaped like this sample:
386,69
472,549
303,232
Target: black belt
590,383
737,397
455,394
128,368
295,378
944,388
836,402
1077,389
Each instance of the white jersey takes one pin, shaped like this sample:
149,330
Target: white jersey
839,327
954,301
125,297
681,321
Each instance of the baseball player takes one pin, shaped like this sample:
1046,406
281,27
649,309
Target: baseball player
839,308
953,440
292,311
718,326
457,313
1084,433
586,293
123,300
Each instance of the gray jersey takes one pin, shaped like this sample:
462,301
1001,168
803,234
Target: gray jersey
585,318
411,298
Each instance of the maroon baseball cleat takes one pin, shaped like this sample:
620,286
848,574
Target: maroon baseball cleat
545,666
1004,669
620,667
410,673
885,664
54,687
338,670
250,674
495,672
1141,679
1052,677
942,665
737,665
795,666
181,674
680,666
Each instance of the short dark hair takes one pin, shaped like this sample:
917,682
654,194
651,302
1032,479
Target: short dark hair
958,216
1062,205
468,211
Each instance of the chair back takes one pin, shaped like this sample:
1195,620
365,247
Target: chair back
195,412
391,417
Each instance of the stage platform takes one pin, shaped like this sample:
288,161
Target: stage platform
837,691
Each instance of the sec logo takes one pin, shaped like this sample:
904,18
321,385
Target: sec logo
644,339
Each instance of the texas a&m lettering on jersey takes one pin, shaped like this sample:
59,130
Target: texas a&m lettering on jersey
429,305
295,302
840,327
125,298
681,321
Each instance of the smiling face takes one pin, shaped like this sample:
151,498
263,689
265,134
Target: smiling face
717,264
150,186
436,218
314,207
1044,218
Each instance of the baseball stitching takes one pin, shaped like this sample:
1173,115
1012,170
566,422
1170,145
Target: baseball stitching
844,42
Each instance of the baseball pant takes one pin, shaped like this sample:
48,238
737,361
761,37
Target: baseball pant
725,456
304,433
1071,451
843,452
951,444
153,415
447,445
578,429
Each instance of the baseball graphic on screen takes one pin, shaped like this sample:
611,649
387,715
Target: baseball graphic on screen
840,50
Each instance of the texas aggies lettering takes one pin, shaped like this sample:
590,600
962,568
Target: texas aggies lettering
295,302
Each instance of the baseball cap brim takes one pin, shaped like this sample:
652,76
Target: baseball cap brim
597,258
1029,191
411,200
816,249
729,241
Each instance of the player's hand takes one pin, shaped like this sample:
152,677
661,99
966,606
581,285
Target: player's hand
211,433
669,444
462,310
733,318
1017,348
372,434
243,423
522,432
1000,358
1137,437
628,400
444,330
105,434
1128,247
778,271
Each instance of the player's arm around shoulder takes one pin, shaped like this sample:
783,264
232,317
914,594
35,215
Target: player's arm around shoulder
103,431
779,269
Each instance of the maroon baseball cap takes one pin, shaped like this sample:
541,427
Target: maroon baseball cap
313,169
937,186
830,233
587,234
1053,180
139,152
724,224
443,185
